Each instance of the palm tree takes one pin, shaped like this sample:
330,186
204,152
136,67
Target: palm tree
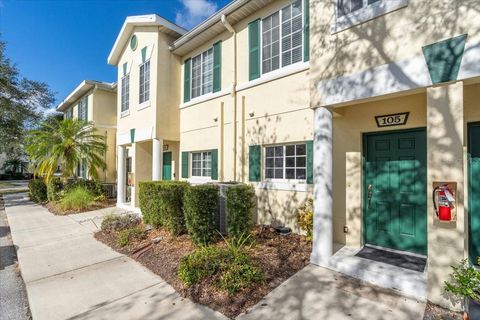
14,165
66,143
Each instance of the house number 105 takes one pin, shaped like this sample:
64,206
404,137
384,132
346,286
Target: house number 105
392,119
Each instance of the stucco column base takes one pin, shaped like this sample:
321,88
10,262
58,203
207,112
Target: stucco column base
157,159
120,175
323,187
447,242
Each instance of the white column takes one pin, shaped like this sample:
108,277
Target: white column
120,175
157,159
323,187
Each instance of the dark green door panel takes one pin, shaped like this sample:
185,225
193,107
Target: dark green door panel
167,166
395,168
474,191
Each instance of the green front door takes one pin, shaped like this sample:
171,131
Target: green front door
395,197
167,166
474,191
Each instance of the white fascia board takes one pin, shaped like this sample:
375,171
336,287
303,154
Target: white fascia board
81,89
136,21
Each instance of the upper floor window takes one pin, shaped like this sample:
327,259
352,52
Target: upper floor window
144,82
69,113
83,109
202,73
345,7
125,94
282,37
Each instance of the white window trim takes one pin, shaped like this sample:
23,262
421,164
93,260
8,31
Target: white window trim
273,181
201,74
190,160
126,112
288,185
205,97
367,13
199,180
281,36
142,104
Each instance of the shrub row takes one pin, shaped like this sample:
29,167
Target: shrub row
56,189
179,207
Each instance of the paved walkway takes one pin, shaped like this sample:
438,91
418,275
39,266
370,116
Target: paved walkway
70,275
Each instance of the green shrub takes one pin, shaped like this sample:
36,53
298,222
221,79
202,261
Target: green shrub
200,205
54,189
240,205
95,187
232,270
77,199
37,190
465,281
305,218
161,203
127,235
114,222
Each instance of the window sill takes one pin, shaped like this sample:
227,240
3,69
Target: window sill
125,113
200,180
274,75
204,98
286,185
368,13
144,105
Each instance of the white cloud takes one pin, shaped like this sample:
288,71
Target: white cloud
194,12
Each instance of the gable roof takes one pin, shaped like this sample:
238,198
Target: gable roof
82,89
137,21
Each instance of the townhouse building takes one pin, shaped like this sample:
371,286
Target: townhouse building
395,90
368,106
95,102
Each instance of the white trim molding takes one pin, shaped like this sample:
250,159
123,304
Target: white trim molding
200,180
274,75
365,14
143,105
125,113
204,98
285,186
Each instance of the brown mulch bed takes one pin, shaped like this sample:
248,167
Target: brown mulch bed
55,209
435,312
278,256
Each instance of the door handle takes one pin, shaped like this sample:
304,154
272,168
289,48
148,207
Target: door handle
369,195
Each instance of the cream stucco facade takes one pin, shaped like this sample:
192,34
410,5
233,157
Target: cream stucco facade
378,61
101,109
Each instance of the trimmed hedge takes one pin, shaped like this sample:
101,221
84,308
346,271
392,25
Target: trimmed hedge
240,205
161,203
37,190
54,188
200,206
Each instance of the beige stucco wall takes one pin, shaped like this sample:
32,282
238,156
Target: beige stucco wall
396,36
272,112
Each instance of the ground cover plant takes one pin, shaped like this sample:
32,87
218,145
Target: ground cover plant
77,199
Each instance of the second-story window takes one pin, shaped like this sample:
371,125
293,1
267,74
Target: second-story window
83,109
125,97
345,7
202,73
282,37
145,82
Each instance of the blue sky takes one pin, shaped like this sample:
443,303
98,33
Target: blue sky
62,42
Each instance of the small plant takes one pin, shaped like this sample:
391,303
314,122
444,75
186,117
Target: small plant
127,235
113,222
77,199
37,190
240,244
465,282
54,189
95,187
201,263
305,218
200,205
240,206
240,274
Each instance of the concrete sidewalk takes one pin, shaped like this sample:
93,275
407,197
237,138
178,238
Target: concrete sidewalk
70,275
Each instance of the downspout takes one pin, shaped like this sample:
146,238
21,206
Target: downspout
233,92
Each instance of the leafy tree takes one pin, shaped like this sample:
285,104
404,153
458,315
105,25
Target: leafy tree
14,165
66,143
21,102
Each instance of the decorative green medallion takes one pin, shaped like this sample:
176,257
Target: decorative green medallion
133,42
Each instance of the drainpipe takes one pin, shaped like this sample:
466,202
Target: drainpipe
233,92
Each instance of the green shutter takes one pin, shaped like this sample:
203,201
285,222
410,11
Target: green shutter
214,162
84,168
254,163
444,58
144,54
185,165
306,30
309,162
217,66
186,80
254,50
132,135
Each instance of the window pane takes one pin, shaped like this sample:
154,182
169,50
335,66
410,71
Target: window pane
278,162
270,46
301,174
207,71
290,162
279,151
290,173
269,162
269,174
356,4
301,149
292,34
301,161
269,151
290,150
196,76
278,173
